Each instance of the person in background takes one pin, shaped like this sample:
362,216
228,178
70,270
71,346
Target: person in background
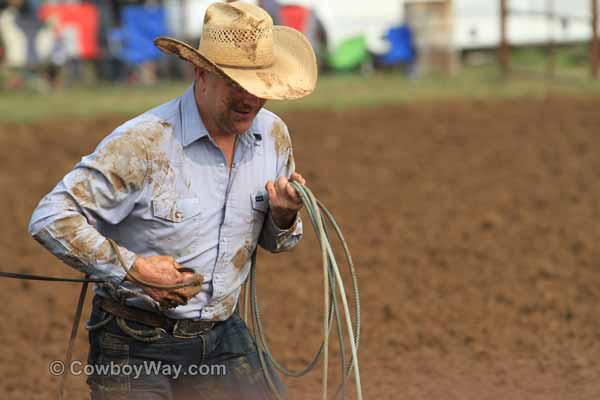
28,45
273,8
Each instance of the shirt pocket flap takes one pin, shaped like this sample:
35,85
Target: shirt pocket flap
260,201
176,210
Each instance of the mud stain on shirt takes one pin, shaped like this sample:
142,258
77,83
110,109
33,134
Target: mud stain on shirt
281,137
242,255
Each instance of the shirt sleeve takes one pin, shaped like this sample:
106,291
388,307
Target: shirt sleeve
103,186
273,238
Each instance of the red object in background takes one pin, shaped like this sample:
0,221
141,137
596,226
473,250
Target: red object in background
295,17
84,18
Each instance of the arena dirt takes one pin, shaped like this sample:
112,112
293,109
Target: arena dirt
474,227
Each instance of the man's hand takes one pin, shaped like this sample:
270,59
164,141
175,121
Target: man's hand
163,270
284,201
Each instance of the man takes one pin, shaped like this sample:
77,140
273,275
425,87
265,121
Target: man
181,196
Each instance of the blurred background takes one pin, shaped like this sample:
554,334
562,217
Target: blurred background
456,143
52,43
388,49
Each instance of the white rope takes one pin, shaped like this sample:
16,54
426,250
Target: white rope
332,279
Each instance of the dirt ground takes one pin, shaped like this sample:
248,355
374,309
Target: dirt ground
474,227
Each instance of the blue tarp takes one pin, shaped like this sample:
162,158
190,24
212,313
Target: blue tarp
141,25
402,49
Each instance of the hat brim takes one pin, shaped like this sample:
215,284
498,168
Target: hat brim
293,74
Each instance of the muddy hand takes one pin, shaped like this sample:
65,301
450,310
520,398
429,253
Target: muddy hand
163,270
284,201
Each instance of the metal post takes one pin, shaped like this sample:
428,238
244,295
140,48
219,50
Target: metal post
594,54
503,51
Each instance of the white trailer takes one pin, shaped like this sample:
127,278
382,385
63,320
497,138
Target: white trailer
475,23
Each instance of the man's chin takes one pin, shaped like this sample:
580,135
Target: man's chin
242,122
237,128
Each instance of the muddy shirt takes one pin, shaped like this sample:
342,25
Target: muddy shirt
158,185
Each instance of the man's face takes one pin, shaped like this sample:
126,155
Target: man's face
224,105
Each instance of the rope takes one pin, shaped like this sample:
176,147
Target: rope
143,336
74,328
104,322
30,277
331,280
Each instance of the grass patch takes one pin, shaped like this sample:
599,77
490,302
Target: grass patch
333,91
570,62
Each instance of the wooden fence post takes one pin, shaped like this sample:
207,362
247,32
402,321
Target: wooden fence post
503,51
550,17
594,56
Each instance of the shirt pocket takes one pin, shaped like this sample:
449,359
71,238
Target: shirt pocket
178,210
259,202
178,227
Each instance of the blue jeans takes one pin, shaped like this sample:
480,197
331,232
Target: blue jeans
220,364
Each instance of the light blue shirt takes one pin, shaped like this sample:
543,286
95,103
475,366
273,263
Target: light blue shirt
159,185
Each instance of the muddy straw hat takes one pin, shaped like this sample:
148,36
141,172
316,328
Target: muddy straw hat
240,42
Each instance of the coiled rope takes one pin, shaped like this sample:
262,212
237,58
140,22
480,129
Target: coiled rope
332,280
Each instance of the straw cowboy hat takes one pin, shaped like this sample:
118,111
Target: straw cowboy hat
239,42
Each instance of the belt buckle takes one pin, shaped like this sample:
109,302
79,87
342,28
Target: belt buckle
186,329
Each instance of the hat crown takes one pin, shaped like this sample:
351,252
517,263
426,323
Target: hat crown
237,35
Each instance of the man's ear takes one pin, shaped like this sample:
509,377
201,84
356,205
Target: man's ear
201,76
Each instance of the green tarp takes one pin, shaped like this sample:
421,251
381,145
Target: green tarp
350,54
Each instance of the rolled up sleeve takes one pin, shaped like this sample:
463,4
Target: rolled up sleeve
273,238
276,239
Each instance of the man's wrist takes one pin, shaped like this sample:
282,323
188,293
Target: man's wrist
284,221
123,265
134,270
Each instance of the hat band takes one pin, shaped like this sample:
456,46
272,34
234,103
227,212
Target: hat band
246,67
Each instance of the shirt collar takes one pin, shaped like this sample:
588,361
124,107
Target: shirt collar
193,128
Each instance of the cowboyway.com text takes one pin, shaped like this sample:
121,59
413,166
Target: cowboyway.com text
57,368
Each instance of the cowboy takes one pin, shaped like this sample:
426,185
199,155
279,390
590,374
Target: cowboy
169,209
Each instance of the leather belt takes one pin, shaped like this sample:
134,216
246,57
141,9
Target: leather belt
177,327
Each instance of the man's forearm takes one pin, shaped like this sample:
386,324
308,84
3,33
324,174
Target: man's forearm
72,239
